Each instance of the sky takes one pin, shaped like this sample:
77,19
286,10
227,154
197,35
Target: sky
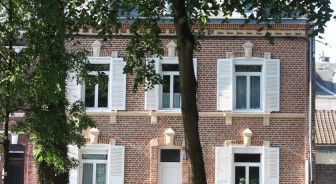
329,38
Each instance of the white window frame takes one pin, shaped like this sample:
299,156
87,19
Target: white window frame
247,164
225,166
171,75
93,149
111,105
153,97
269,84
248,92
94,61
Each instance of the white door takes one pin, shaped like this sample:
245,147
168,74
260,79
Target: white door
170,166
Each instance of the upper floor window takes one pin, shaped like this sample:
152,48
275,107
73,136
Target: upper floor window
171,96
96,95
109,93
248,84
168,95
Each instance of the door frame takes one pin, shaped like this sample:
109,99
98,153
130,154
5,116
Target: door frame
159,161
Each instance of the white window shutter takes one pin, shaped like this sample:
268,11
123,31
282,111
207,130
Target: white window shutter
272,85
224,84
271,166
152,96
73,90
195,67
116,158
118,85
223,165
73,152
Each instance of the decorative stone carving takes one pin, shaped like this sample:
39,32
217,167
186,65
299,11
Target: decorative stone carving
171,49
169,133
96,48
247,137
248,49
94,134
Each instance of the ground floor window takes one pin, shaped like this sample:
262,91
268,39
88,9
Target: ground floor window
94,168
98,164
247,165
247,168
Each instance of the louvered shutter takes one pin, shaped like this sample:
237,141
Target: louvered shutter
118,85
73,152
272,85
271,166
223,165
73,90
224,84
116,158
195,67
152,96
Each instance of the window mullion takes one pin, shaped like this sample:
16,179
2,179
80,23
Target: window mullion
247,170
96,96
248,92
171,95
94,173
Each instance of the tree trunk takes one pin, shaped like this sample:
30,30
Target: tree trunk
185,44
6,150
47,173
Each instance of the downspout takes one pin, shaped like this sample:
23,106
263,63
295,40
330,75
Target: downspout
310,97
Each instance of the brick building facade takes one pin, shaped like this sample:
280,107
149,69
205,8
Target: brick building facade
252,99
146,130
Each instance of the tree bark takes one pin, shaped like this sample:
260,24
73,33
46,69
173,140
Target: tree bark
188,85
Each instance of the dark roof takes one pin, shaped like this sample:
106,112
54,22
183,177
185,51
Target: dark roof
325,85
325,126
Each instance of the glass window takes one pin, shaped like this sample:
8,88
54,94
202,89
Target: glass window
248,86
247,158
96,95
170,155
94,168
171,95
247,168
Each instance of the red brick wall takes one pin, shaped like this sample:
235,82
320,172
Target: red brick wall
288,134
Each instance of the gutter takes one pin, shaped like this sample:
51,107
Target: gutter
310,97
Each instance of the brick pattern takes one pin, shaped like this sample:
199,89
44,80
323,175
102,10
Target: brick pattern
135,132
325,174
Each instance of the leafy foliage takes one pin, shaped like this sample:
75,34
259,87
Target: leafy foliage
34,80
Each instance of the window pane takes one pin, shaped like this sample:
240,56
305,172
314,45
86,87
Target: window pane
177,94
101,174
170,67
255,92
170,155
248,68
255,158
89,94
98,67
166,92
241,92
103,92
240,176
254,175
94,156
87,173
